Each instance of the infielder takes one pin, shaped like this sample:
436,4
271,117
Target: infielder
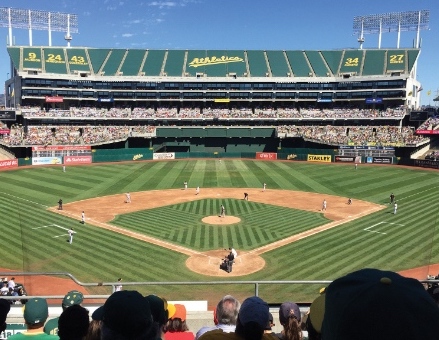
395,208
197,190
324,205
128,198
71,232
265,185
185,185
223,211
83,217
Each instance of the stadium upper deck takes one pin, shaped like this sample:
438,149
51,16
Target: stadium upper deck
82,76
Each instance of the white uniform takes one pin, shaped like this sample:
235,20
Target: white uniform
395,208
356,166
71,232
128,200
223,211
265,185
235,254
197,191
83,218
324,205
185,185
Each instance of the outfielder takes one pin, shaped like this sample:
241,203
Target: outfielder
71,232
223,211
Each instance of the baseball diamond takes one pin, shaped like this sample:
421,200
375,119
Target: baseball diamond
282,234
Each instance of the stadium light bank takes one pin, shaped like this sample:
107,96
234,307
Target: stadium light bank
38,20
391,22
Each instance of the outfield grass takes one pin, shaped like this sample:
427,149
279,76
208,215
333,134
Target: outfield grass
394,242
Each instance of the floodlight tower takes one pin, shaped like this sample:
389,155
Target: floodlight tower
391,22
39,20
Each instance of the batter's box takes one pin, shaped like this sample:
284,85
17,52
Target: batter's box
380,232
55,226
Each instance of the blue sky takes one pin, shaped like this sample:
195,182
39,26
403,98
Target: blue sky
231,24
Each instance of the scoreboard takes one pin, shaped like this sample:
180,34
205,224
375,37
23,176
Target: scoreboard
7,115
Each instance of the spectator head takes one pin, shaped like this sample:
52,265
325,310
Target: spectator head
252,318
5,307
36,312
177,323
315,317
158,309
94,330
371,303
227,310
290,318
72,298
270,322
73,323
125,315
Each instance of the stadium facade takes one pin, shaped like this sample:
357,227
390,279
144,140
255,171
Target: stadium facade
220,101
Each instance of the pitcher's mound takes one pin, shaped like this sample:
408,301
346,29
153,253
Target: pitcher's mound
208,263
221,220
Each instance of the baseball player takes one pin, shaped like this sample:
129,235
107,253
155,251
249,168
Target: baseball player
128,198
83,217
356,166
324,205
265,185
223,211
60,204
185,185
197,190
118,287
63,168
71,232
350,201
245,196
392,198
395,208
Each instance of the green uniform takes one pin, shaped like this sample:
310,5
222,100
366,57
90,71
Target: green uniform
33,336
51,326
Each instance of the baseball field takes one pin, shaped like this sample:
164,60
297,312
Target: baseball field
168,234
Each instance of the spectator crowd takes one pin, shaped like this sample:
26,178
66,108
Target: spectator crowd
362,305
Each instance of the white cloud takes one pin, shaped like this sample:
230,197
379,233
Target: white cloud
163,4
127,35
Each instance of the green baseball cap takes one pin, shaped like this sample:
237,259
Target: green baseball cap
73,297
36,311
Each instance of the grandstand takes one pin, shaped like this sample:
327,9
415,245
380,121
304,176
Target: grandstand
191,100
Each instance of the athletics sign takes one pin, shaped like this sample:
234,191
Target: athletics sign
320,158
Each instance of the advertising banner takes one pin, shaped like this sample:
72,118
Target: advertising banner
9,163
266,155
163,155
427,132
344,159
427,163
54,99
46,160
319,158
71,160
379,160
61,147
5,131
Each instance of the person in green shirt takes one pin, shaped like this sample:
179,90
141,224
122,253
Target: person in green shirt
36,312
72,298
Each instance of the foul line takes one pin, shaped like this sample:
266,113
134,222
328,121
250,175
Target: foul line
23,199
379,232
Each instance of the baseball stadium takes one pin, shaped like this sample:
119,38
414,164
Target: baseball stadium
268,134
